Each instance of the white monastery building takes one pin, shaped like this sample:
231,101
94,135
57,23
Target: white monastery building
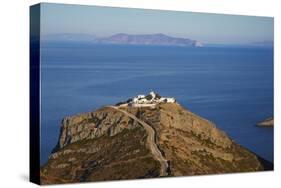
149,100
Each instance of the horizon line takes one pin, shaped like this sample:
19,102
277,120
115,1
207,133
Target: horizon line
95,36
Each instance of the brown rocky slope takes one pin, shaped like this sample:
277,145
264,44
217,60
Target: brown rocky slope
113,143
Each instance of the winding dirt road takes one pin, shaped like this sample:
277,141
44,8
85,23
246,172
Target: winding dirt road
150,141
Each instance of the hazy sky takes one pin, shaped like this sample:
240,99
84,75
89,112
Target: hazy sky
105,21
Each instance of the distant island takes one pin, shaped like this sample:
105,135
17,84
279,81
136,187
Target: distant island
269,122
158,39
263,44
149,39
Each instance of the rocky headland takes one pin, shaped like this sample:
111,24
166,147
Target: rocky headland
144,137
269,122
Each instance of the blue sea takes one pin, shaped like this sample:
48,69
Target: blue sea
230,86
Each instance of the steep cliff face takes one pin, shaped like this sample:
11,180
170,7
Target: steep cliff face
128,142
93,125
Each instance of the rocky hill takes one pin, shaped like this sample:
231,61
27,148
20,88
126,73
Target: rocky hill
127,142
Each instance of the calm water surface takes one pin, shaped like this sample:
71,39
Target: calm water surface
232,87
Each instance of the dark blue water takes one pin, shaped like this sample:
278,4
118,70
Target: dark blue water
232,87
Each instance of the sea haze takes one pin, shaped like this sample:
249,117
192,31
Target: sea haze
232,87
